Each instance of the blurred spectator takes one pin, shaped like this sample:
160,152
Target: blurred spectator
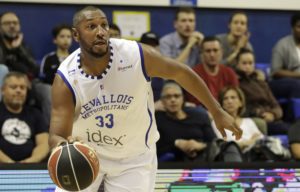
237,38
260,101
185,132
232,100
114,31
285,67
215,74
24,136
151,39
62,38
13,52
183,44
253,143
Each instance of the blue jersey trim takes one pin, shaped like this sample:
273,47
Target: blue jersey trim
147,133
68,85
143,63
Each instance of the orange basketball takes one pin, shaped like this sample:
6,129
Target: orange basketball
73,166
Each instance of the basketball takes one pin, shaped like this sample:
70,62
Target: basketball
73,166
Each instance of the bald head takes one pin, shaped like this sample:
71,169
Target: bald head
80,15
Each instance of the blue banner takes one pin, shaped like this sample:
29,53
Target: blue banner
183,2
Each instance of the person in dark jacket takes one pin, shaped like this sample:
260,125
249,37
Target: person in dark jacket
260,101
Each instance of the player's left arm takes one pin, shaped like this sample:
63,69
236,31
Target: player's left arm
158,66
41,149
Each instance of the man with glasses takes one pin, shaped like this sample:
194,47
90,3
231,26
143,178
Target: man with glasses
183,132
186,134
13,53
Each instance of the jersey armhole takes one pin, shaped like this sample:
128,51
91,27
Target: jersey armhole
143,63
68,85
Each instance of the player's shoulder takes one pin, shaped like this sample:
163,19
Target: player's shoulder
125,48
121,43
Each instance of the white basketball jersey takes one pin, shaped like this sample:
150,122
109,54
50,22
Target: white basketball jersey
114,112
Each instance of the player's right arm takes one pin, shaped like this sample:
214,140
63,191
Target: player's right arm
62,112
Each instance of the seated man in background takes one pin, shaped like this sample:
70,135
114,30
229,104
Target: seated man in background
24,132
211,70
285,67
183,44
13,52
185,132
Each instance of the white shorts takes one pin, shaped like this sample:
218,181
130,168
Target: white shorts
135,174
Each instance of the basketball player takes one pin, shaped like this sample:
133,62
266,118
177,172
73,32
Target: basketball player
102,93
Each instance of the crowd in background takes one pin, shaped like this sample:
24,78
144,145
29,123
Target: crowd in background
261,102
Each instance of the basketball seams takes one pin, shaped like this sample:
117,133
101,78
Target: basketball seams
94,176
71,162
73,155
59,149
56,166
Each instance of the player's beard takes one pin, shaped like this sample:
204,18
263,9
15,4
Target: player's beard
98,54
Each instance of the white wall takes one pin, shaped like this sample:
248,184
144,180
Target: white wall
239,4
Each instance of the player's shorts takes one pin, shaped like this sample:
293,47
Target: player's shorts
134,174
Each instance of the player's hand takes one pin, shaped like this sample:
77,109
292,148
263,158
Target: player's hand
73,139
224,121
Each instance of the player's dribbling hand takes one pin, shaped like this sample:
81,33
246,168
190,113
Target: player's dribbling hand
224,121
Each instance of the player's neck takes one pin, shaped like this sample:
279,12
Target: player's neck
92,65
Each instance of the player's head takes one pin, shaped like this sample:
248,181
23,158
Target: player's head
295,23
114,31
90,30
245,61
172,97
211,51
62,36
238,24
14,89
185,21
9,25
232,100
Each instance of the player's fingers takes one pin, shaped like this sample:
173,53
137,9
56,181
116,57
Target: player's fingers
78,138
223,133
70,139
237,131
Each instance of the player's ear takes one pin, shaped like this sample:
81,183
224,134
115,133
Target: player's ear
75,34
